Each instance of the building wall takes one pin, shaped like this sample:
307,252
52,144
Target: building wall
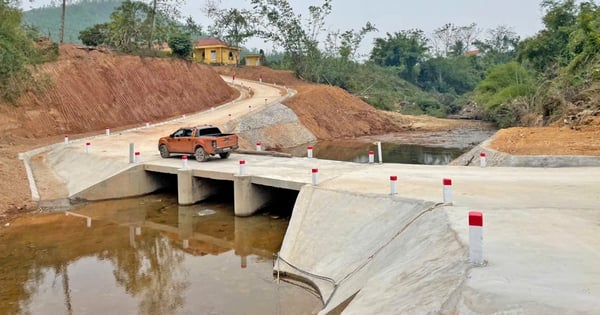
216,54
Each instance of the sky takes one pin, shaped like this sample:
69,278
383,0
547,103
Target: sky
523,16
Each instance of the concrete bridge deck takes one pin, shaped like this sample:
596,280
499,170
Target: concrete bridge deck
391,254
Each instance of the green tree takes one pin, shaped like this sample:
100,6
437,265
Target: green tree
281,25
503,84
548,50
499,47
404,49
95,35
181,45
454,75
234,26
16,53
130,26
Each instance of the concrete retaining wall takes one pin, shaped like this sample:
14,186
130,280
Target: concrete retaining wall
497,158
390,255
132,182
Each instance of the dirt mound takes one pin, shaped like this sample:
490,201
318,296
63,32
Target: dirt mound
328,112
93,89
548,141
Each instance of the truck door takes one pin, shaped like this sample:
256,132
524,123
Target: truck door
188,140
179,141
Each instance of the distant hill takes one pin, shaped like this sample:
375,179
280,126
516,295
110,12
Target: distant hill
78,16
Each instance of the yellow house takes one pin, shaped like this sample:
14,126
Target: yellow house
254,60
215,51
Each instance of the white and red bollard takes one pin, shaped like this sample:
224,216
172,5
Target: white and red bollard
184,161
147,124
88,147
137,157
107,131
249,108
476,237
371,157
242,167
260,78
309,151
258,146
66,139
447,190
482,159
393,185
229,117
315,176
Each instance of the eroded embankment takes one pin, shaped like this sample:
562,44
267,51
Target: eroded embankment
380,253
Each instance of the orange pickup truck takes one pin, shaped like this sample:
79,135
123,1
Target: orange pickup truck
201,141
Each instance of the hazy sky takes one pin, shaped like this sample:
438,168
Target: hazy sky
523,16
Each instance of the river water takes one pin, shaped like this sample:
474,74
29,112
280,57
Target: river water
147,256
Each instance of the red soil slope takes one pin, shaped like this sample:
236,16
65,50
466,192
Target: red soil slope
92,90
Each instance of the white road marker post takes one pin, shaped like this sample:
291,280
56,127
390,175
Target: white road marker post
242,167
476,237
137,157
107,131
315,176
309,151
184,162
88,147
447,190
482,159
147,124
371,157
66,139
88,222
393,185
131,153
258,146
379,152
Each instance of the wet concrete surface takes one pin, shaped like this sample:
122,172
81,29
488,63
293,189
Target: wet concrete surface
148,256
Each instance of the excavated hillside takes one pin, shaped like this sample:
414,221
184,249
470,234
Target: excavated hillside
93,89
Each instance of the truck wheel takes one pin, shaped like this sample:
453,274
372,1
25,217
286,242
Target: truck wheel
201,156
164,152
224,155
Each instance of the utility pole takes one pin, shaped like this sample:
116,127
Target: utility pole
153,23
62,22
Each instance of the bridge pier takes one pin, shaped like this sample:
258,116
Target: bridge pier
192,189
247,197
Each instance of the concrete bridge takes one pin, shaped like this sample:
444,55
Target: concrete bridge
365,249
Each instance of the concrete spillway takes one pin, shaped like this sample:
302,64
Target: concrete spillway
380,251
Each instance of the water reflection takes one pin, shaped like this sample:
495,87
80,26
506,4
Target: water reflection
358,151
147,256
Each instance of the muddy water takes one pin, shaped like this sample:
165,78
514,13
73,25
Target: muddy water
147,256
429,148
358,151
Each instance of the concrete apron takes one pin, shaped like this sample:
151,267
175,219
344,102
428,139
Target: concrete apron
385,253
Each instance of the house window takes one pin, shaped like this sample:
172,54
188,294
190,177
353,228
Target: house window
230,55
